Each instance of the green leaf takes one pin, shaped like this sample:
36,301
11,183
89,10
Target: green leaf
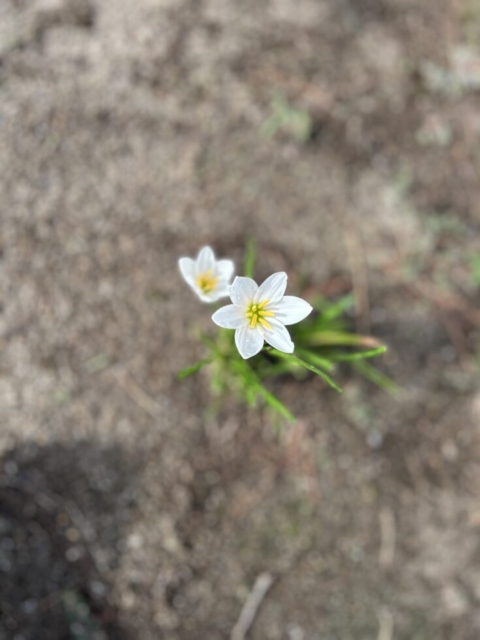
316,360
284,117
98,363
360,355
306,365
271,126
377,377
193,368
338,308
250,258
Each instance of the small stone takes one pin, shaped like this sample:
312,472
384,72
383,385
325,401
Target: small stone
98,588
128,599
74,553
11,468
72,534
454,601
450,450
134,541
29,607
374,439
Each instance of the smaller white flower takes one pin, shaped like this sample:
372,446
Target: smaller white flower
209,278
260,313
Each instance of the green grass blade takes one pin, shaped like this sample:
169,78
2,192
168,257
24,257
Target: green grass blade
377,377
335,310
315,359
209,342
251,396
249,269
193,368
290,357
253,385
274,403
220,346
267,370
360,355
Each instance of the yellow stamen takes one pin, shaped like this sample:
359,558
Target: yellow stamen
257,313
207,282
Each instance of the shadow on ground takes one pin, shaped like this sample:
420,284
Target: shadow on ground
61,524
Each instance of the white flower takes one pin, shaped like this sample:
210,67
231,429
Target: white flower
209,278
260,313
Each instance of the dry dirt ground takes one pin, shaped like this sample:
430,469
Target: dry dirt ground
135,131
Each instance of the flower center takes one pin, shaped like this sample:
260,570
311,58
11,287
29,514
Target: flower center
207,282
257,313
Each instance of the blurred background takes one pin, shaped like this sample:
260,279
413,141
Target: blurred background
344,136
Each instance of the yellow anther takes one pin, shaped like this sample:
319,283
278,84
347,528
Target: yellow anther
266,324
257,314
207,282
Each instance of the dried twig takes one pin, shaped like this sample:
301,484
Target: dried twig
248,500
449,301
385,622
358,267
318,97
458,339
135,391
333,287
299,457
387,537
251,606
445,300
446,303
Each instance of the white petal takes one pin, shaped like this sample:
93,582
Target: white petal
224,269
243,290
221,291
249,341
187,269
278,336
230,317
273,288
206,297
291,309
205,260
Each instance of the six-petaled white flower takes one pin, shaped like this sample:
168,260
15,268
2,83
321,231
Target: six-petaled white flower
260,313
209,278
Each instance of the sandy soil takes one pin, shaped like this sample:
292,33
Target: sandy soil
133,132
